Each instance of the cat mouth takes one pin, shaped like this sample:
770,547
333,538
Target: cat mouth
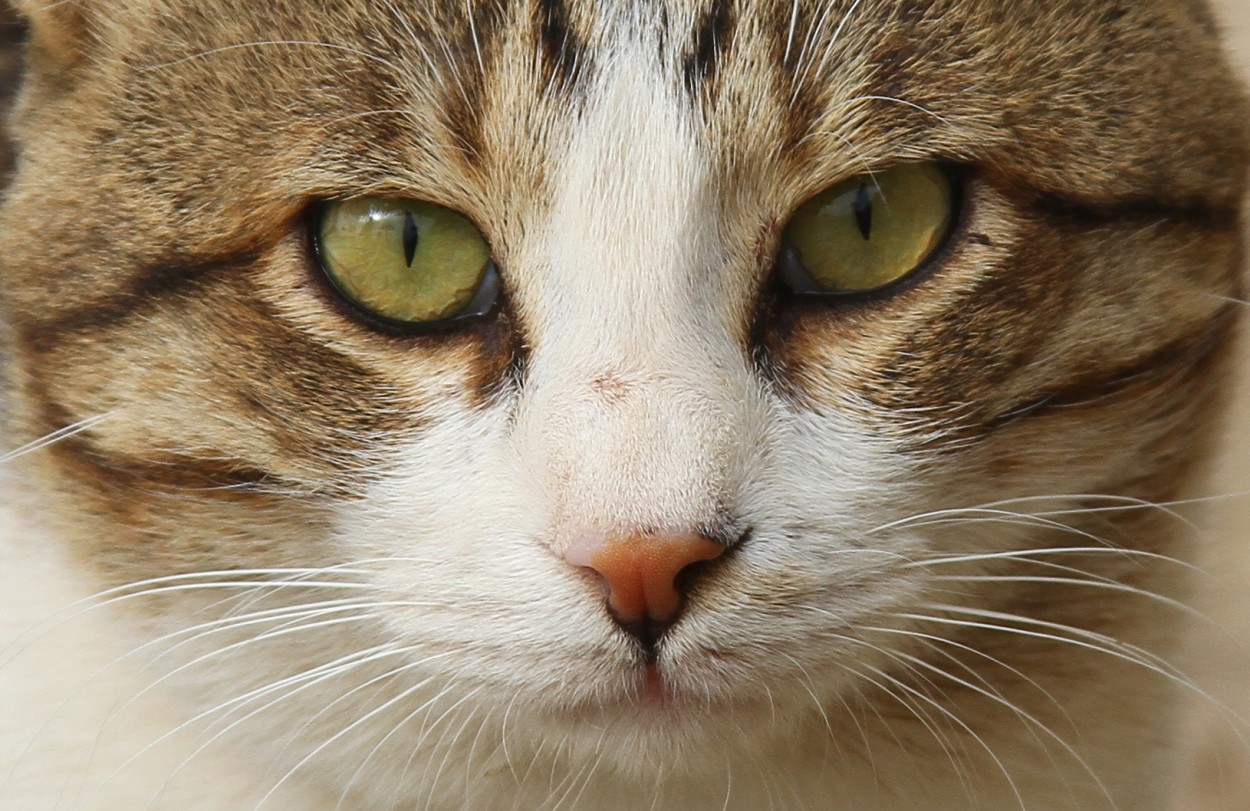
654,690
646,634
659,690
656,696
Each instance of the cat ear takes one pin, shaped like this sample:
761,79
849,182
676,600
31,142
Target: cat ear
60,29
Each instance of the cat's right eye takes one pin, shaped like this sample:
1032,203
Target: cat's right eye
406,262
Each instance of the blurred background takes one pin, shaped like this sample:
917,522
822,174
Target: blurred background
1217,771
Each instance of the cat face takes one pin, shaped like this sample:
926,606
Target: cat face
885,471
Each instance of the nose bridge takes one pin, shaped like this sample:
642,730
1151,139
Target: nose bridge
631,443
635,387
632,218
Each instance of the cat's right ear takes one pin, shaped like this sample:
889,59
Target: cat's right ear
60,30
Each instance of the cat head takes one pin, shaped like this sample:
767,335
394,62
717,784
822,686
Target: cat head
651,346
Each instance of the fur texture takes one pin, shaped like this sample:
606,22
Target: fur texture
954,576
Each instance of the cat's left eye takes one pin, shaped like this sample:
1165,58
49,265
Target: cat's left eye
870,231
406,262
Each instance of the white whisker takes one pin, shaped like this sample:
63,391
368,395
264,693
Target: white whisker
56,436
309,677
350,727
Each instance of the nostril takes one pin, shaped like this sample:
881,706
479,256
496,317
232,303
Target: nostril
686,578
647,576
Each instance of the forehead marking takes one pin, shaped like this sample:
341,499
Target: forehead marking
628,237
712,37
564,53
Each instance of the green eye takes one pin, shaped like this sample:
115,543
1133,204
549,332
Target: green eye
869,231
406,261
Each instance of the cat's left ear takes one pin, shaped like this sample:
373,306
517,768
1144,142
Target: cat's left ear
60,30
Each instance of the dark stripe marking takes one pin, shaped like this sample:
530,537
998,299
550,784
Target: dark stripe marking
178,472
164,280
712,39
165,470
503,358
1185,357
1094,213
271,372
563,53
465,36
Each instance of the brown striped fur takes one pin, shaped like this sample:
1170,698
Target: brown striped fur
1069,343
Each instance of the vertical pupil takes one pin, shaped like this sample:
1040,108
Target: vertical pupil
863,210
410,237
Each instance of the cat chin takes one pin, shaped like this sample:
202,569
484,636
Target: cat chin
394,722
467,745
631,750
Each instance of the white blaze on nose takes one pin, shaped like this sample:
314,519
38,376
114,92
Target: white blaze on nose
628,298
629,221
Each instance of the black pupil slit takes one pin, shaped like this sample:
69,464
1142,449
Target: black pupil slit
863,210
410,237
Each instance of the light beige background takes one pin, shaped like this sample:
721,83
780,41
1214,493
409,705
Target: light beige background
1218,772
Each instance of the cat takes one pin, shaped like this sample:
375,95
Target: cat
556,404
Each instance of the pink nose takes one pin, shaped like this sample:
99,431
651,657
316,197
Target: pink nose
641,570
